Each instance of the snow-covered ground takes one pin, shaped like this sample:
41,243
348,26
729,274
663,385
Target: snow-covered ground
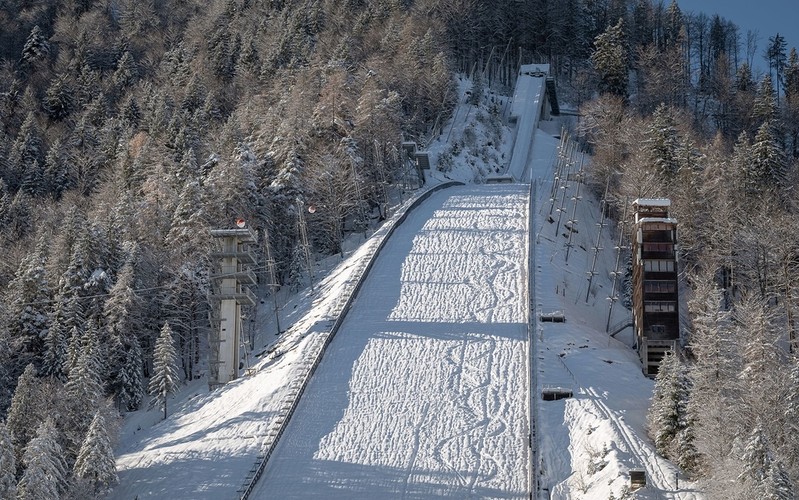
423,391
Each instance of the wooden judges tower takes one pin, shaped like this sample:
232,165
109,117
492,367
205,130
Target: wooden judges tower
228,294
655,293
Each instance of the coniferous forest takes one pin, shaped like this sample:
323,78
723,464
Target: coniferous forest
129,129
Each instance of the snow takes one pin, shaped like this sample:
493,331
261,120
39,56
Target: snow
652,202
526,112
419,396
662,220
423,392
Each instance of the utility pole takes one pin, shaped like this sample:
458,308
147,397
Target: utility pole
573,220
613,294
597,247
273,286
306,246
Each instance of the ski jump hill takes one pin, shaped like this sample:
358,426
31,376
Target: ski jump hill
413,370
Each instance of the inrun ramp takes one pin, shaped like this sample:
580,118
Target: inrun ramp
528,100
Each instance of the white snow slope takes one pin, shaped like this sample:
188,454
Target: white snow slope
423,391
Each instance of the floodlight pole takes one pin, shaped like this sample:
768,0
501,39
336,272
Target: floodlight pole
304,239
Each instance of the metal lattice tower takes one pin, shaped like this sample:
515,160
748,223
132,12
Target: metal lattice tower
229,292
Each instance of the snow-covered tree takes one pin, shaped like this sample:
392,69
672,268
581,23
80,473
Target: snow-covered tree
164,380
765,105
23,415
45,470
663,142
713,374
27,149
767,172
123,318
790,408
128,378
36,48
611,60
57,102
663,415
84,391
761,475
686,453
8,467
668,417
126,72
763,363
95,463
187,308
28,301
54,361
188,232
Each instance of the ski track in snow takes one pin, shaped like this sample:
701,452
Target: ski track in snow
422,393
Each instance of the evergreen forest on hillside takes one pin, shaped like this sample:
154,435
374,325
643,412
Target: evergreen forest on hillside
129,129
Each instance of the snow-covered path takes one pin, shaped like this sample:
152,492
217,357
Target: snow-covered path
423,392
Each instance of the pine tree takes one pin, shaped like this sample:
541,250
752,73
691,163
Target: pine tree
57,102
123,318
45,470
8,468
761,475
667,414
791,118
187,309
714,385
790,408
54,361
767,172
128,379
28,302
36,48
74,335
165,370
23,415
765,106
611,61
19,214
57,175
189,226
7,380
126,72
777,485
84,391
663,142
27,149
673,25
687,455
775,56
95,462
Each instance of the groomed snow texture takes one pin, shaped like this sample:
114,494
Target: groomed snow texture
423,392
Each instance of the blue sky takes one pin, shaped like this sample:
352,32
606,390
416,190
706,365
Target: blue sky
768,17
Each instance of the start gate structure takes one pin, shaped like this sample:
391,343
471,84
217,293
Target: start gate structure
655,291
229,292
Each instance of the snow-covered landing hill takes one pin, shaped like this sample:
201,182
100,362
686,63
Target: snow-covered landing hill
423,392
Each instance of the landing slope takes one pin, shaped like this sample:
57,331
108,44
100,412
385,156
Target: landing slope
423,391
